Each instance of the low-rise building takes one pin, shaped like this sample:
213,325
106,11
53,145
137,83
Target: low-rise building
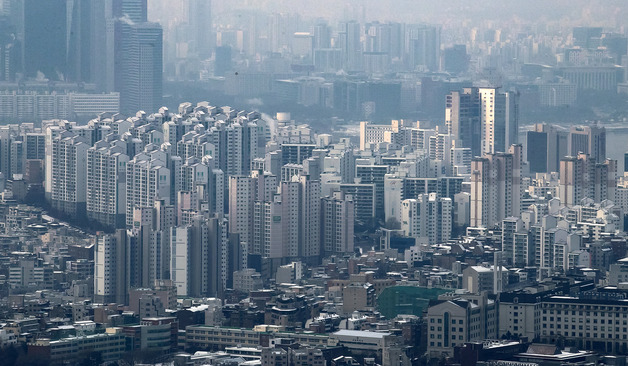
204,337
110,346
459,318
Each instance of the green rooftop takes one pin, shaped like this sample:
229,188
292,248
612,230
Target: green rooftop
406,300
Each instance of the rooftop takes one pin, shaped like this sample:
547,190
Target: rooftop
360,333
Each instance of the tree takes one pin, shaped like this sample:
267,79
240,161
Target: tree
392,224
560,342
8,355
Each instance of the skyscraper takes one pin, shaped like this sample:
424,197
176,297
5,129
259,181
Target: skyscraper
135,10
351,45
59,38
423,44
590,140
200,19
483,119
495,187
223,60
138,56
139,76
499,119
545,146
462,116
84,19
45,27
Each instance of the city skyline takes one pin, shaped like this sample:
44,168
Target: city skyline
313,183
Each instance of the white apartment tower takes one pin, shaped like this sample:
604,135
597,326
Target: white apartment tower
495,187
242,194
68,173
268,229
106,183
515,242
310,211
148,179
499,120
199,257
150,229
337,219
581,177
427,216
111,268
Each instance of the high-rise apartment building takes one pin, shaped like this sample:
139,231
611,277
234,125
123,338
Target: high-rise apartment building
242,194
462,116
495,187
545,146
337,220
374,174
69,173
199,257
112,264
499,118
364,200
5,150
515,248
589,140
148,179
268,229
483,119
581,177
150,246
106,183
428,216
280,224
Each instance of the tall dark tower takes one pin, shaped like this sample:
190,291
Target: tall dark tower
135,10
138,55
424,44
81,46
61,39
45,38
223,60
142,69
200,19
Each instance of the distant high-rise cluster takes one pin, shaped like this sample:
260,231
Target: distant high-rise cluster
205,190
109,45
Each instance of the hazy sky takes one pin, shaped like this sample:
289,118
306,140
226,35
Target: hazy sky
439,11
